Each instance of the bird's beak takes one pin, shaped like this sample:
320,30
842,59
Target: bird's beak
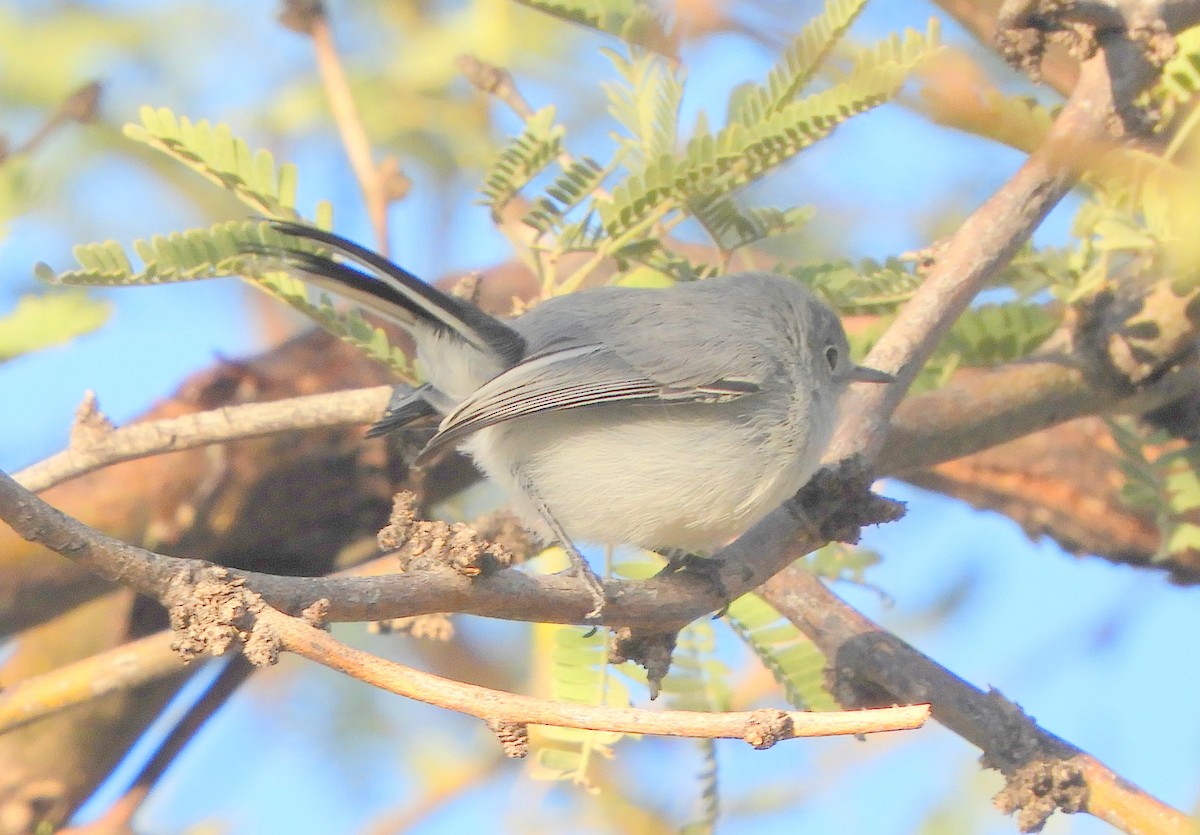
862,374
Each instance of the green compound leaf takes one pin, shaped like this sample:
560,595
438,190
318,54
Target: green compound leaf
636,22
219,156
524,158
219,251
792,658
799,62
866,287
40,321
580,675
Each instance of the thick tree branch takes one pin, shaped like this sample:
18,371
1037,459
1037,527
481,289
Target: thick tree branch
978,249
660,604
1042,773
869,666
210,611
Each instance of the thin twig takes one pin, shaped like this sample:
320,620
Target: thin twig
984,243
95,449
498,82
79,107
497,706
119,816
439,793
118,669
310,18
1005,404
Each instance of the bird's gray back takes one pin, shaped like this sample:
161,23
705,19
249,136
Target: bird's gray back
738,326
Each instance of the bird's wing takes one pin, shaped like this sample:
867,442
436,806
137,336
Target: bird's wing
580,375
406,407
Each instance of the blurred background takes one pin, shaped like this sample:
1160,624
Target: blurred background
1101,655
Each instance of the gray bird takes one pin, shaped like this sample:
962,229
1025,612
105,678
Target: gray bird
671,419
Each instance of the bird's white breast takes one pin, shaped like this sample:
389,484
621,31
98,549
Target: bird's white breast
687,477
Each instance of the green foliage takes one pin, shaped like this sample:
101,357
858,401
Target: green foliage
868,287
699,681
524,158
663,178
634,21
792,658
995,333
180,256
1180,79
212,252
732,228
17,189
798,64
1162,476
39,321
579,675
572,187
838,561
714,164
226,160
646,103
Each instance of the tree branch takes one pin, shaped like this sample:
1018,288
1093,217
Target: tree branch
380,184
209,610
869,665
760,728
984,243
120,668
89,451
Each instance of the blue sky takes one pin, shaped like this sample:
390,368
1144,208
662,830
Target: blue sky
1091,650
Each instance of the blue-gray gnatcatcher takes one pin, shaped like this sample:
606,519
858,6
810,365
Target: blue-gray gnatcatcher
664,418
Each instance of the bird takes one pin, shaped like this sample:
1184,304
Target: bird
672,419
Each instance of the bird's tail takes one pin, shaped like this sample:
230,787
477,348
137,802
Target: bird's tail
382,287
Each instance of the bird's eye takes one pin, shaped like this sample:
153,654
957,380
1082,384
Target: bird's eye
831,356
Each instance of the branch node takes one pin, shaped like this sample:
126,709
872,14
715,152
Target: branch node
1018,744
1152,35
1039,789
209,611
91,426
483,76
301,15
767,726
425,545
839,501
395,183
513,736
262,644
651,650
1023,49
316,614
82,105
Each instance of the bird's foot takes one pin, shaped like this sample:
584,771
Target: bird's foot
706,569
594,586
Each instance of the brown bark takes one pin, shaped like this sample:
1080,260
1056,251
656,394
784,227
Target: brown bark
286,503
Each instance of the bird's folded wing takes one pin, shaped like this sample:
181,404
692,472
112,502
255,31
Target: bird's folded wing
581,375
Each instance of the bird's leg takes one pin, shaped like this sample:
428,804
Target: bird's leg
580,565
